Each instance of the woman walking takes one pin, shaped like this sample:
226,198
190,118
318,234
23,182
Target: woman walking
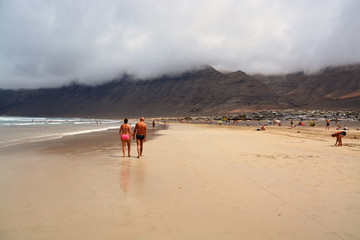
125,132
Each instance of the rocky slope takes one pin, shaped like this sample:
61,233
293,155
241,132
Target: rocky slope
202,92
332,88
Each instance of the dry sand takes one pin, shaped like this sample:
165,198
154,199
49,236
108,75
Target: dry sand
194,182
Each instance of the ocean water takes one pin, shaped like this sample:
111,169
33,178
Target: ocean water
17,130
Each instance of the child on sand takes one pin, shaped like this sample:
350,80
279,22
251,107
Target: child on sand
263,128
339,135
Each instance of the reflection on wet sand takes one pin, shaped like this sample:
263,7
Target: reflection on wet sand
125,175
75,187
132,175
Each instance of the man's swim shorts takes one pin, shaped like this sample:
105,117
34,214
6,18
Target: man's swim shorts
140,137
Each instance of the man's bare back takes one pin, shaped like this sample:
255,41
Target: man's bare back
140,132
141,128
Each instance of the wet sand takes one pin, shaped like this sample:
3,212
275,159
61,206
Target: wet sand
194,182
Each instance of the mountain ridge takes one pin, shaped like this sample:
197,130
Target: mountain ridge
205,91
326,89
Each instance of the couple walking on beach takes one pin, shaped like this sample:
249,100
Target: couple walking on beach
140,132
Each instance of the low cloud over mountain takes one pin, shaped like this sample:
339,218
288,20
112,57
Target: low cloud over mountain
51,43
201,92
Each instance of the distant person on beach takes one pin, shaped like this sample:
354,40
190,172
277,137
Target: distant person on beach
125,132
339,135
327,124
140,132
153,124
263,128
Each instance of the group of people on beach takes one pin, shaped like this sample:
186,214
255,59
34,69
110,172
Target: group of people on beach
339,134
140,133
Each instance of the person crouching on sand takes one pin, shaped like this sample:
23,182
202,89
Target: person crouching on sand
140,132
125,132
339,135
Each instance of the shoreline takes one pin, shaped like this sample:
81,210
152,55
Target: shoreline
194,181
27,129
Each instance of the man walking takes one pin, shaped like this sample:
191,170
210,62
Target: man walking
140,132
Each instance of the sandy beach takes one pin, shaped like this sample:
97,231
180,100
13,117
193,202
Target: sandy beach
194,182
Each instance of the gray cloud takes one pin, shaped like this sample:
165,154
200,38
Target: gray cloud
50,43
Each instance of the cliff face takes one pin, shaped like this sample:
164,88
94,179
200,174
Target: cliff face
202,92
332,88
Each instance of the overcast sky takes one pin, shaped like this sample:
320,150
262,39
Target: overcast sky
45,43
